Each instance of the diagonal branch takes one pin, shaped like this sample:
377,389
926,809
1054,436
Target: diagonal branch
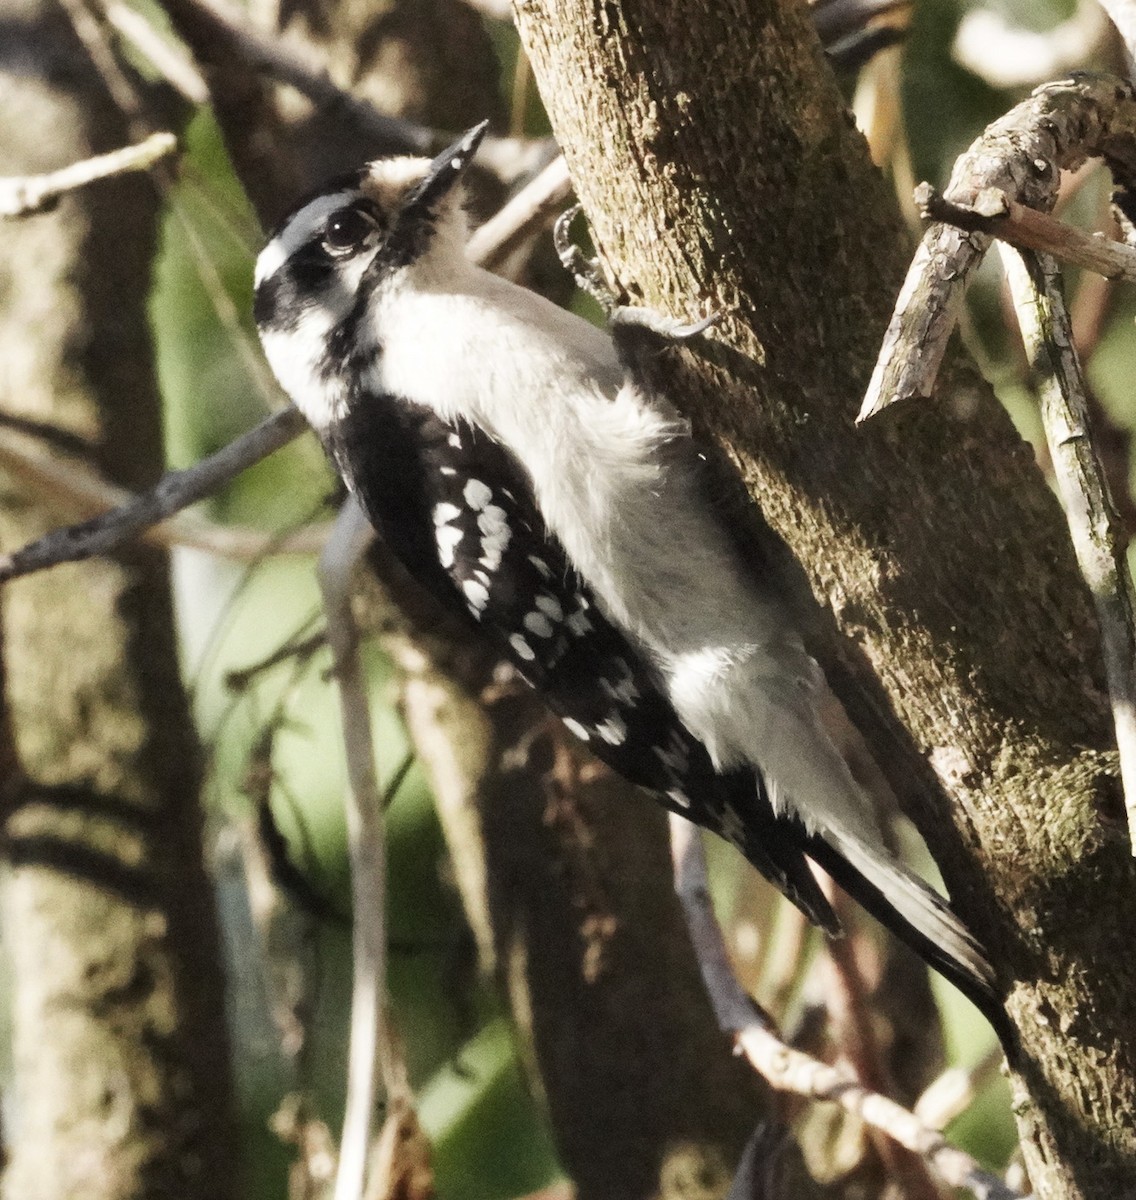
175,491
22,195
791,1070
993,212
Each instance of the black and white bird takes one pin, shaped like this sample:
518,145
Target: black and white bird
507,457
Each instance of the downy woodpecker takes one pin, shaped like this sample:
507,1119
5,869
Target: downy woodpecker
522,475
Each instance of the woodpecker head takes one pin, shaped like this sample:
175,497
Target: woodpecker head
327,257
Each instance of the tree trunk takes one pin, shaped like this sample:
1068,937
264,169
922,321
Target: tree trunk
720,170
121,1055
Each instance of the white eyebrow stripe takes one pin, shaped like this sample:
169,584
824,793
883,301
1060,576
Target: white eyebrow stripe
298,231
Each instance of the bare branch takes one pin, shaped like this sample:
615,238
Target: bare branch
367,847
531,210
1021,156
172,493
1093,523
952,1093
993,212
22,195
791,1070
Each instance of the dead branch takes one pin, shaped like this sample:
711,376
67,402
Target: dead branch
791,1070
22,195
1020,156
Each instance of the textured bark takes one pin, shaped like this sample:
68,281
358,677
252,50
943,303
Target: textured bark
121,1067
720,169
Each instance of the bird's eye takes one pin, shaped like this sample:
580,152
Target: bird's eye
347,231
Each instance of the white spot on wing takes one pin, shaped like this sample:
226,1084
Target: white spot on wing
476,593
477,494
576,728
444,513
550,606
578,623
613,730
447,538
492,519
538,623
521,648
495,535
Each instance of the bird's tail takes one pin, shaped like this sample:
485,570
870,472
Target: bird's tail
917,915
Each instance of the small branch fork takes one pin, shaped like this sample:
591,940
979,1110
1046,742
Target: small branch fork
1020,156
1003,188
788,1069
21,196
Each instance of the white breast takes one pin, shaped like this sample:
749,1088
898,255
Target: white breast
618,481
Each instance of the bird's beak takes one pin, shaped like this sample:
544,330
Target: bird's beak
445,171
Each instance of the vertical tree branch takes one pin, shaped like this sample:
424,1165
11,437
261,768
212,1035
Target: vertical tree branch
1035,285
121,1051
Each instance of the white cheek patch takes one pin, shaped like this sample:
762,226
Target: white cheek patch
292,357
300,229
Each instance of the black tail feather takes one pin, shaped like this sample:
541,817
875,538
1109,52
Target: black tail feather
922,919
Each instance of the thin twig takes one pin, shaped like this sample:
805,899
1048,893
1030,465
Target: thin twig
1093,524
369,1038
995,213
791,1070
173,492
166,57
952,1093
846,999
531,210
21,196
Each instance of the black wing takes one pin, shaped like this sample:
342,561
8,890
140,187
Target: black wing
458,510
